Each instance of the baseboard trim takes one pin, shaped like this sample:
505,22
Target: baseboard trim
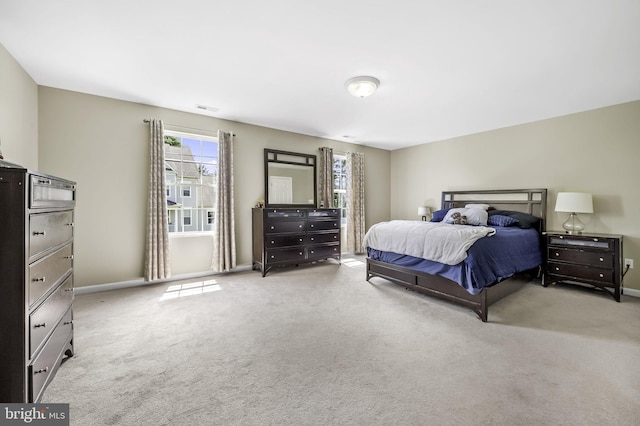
96,288
631,292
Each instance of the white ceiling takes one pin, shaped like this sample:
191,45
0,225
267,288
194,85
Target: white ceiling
447,68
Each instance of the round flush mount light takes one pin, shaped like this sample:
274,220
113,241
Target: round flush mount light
363,86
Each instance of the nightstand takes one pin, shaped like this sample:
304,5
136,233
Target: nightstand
594,259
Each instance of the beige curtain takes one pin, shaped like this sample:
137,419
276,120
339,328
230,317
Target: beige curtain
156,264
326,177
355,202
224,233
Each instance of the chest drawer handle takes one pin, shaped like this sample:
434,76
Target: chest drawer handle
601,276
557,269
601,260
312,239
273,227
69,257
42,370
69,224
44,324
68,289
557,254
67,323
301,253
37,280
39,232
311,252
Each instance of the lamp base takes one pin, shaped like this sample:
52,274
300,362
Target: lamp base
573,225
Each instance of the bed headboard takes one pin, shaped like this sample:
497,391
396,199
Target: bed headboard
532,201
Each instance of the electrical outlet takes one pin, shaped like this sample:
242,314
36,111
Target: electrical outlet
629,263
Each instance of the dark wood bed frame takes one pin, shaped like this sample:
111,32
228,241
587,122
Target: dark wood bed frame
532,201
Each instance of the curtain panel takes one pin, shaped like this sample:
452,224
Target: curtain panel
157,265
355,202
325,197
224,234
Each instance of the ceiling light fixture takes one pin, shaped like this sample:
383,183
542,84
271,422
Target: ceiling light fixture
363,86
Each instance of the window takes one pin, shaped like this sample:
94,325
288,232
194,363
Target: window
191,165
340,184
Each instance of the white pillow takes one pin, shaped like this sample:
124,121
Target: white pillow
478,206
474,216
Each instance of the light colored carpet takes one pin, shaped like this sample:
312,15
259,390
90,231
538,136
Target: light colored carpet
319,345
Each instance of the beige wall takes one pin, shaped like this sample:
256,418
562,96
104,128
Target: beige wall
102,144
18,113
596,151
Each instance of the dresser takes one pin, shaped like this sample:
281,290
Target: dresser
594,259
36,264
290,236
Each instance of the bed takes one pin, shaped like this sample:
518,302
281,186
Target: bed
474,282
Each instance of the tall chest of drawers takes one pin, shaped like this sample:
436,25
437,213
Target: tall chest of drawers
36,281
594,259
289,236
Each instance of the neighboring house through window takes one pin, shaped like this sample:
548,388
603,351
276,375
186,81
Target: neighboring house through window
191,165
340,184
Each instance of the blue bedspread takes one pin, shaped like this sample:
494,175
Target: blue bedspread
489,261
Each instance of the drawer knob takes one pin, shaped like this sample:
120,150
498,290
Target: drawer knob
68,289
68,257
69,224
67,322
273,227
301,253
273,242
301,239
601,260
273,257
557,269
44,324
311,252
312,239
44,181
42,279
557,254
42,370
595,239
601,276
39,232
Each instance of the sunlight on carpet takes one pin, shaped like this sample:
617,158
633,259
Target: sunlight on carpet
190,289
352,263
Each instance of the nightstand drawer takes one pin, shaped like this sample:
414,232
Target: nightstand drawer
577,241
581,272
604,260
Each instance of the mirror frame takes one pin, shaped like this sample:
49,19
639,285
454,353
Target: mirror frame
284,157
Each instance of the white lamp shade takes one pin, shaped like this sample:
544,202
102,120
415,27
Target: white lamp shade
574,202
424,211
362,86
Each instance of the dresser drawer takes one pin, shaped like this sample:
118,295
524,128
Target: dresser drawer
324,213
46,316
285,255
47,230
581,272
599,259
326,237
321,252
275,241
47,272
322,225
48,192
280,226
46,362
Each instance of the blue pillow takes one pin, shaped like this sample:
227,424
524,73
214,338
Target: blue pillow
501,220
525,220
438,215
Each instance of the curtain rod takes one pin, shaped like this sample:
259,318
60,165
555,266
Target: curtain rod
147,121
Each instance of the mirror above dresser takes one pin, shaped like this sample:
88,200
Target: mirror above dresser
290,179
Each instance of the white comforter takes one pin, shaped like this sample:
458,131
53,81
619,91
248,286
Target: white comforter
436,241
